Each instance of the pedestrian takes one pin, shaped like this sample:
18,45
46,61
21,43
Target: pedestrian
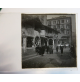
42,50
61,49
47,49
37,49
73,52
57,49
50,49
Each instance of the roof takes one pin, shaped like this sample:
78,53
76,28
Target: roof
36,22
32,22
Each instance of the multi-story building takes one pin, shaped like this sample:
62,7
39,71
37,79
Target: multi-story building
63,25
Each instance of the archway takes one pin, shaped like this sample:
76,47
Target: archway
50,42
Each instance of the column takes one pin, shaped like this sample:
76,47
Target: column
47,42
34,46
33,41
24,44
39,41
57,42
53,43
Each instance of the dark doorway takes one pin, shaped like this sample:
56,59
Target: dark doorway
50,42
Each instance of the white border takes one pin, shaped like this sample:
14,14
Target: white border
18,12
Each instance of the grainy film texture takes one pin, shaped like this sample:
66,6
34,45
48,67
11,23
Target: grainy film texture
48,41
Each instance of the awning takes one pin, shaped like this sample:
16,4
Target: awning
65,37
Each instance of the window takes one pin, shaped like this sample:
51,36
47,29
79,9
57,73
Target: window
51,26
37,40
49,23
54,22
54,26
58,22
58,27
62,26
62,30
67,20
67,32
49,31
29,41
62,21
67,26
50,42
58,42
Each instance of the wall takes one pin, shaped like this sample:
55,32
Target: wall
74,31
54,22
73,17
42,33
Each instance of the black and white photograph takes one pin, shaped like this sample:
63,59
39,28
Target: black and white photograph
48,40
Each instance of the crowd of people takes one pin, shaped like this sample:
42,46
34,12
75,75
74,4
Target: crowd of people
49,50
61,49
40,50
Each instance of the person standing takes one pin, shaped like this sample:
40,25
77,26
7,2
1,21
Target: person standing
61,47
37,50
57,49
47,49
42,50
50,49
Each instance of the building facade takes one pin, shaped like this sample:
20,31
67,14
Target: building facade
36,32
64,26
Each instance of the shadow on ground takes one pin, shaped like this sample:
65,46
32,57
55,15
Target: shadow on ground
65,60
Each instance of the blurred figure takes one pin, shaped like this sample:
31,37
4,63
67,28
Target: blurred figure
65,45
61,48
37,49
57,49
72,49
51,49
42,50
47,49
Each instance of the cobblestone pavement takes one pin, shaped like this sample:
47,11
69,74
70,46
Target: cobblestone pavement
49,60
